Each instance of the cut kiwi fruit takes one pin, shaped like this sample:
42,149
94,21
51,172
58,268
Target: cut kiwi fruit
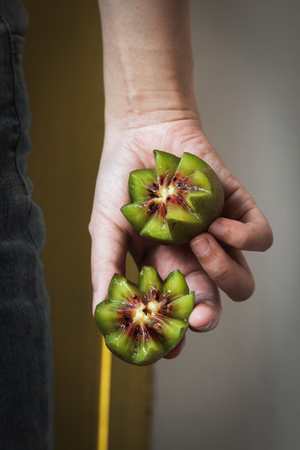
175,201
143,322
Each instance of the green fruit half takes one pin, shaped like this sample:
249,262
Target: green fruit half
175,201
143,322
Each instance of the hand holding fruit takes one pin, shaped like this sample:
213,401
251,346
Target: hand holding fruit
220,265
150,104
176,201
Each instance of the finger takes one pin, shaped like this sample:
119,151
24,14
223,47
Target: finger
176,350
253,233
108,256
207,311
228,269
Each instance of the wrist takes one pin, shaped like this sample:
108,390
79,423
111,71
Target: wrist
148,61
142,108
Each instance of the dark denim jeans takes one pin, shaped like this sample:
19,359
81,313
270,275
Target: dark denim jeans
25,330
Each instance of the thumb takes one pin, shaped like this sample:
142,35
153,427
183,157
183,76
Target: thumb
108,255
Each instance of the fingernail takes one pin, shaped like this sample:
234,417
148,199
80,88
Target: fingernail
217,229
203,317
206,327
202,246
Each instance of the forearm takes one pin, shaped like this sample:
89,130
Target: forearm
148,62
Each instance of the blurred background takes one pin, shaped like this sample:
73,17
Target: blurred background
237,386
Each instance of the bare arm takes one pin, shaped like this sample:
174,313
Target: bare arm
148,62
150,103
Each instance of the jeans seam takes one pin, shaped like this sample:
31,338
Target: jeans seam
23,184
16,38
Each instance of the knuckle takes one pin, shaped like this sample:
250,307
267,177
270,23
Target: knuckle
91,228
256,239
245,240
220,273
268,241
245,290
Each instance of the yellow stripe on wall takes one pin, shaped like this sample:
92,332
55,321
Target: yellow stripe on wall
104,397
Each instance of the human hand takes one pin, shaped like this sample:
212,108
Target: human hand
212,260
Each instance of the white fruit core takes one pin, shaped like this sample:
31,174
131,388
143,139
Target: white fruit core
153,307
165,192
143,312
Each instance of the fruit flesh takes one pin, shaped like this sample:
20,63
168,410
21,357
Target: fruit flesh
143,322
173,203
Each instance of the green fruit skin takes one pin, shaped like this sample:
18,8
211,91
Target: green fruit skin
172,327
212,204
177,232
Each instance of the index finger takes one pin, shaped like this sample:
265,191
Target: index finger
252,233
108,254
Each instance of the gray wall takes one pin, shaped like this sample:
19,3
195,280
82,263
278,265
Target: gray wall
237,387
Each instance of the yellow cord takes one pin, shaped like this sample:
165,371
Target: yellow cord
104,397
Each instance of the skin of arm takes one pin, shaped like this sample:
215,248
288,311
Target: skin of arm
148,61
150,103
